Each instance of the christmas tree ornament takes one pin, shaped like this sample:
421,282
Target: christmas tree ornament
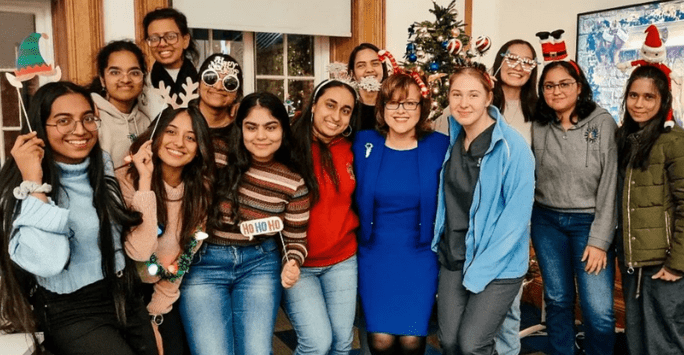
454,46
440,38
434,66
435,90
455,32
412,57
410,48
482,44
420,54
445,44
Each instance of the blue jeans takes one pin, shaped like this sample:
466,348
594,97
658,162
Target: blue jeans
230,297
559,241
321,307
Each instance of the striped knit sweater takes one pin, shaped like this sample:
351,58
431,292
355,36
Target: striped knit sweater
267,190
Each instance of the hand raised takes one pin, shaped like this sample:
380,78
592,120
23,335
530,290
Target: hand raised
28,152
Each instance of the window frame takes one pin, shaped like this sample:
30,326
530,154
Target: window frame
42,13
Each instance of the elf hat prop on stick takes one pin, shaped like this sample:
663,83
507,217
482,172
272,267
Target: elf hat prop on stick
29,64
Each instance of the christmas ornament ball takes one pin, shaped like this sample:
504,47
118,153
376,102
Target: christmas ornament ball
440,38
434,66
455,32
454,46
435,90
412,57
482,44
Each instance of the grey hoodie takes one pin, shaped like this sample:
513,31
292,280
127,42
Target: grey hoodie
118,129
576,171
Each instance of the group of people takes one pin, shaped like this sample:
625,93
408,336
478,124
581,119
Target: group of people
121,223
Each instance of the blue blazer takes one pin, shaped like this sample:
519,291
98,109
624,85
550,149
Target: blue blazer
368,148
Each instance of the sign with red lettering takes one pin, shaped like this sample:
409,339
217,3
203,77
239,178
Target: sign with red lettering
254,227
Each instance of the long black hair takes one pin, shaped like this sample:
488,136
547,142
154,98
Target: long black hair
191,53
102,61
638,154
240,159
197,175
302,130
585,103
528,92
107,201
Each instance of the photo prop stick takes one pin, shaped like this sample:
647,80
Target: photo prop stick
29,64
261,226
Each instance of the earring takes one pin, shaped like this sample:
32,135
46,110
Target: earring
347,133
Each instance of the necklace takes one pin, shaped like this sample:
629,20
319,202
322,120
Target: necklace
179,267
512,110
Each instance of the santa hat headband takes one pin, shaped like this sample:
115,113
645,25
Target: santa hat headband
652,41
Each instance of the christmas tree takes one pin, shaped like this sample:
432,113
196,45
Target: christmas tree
437,48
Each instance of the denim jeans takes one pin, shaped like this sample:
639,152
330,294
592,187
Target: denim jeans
321,307
559,241
508,338
230,297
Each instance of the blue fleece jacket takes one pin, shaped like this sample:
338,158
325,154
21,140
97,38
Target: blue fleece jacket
497,241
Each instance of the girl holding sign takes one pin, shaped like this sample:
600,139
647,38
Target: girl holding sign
168,183
322,304
230,298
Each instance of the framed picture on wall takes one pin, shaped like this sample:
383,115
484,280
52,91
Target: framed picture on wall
611,36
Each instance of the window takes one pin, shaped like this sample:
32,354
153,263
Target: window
285,65
18,19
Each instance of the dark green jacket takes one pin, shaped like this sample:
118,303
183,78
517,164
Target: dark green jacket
653,206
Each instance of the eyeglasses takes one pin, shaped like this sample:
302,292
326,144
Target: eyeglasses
408,105
136,75
513,60
563,86
168,37
230,82
68,125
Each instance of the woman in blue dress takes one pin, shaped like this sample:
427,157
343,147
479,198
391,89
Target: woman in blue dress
397,169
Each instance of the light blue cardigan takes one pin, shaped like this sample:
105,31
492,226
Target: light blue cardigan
497,241
59,243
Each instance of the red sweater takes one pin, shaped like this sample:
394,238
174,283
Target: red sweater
332,222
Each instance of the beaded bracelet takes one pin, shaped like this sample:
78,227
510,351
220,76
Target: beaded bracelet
26,188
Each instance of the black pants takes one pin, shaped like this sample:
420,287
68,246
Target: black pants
171,329
655,320
468,322
84,323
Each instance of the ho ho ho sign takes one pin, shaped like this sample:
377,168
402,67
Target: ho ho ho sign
254,227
